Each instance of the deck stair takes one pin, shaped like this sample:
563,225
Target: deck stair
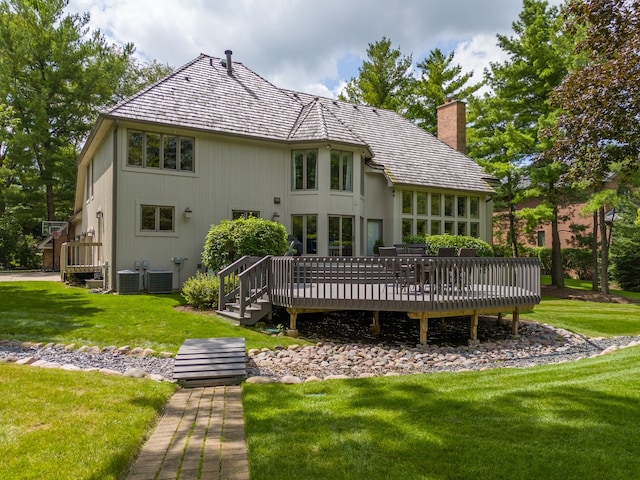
204,362
252,314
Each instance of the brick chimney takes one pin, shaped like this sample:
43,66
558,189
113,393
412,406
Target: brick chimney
452,124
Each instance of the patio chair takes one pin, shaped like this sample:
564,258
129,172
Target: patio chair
463,274
447,252
399,271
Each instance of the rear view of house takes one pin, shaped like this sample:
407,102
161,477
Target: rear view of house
216,141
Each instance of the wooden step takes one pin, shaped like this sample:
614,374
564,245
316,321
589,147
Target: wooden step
211,362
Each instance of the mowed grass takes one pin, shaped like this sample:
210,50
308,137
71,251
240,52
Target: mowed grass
568,421
55,312
586,285
593,319
57,425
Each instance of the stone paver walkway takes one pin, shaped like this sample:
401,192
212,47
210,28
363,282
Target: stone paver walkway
200,436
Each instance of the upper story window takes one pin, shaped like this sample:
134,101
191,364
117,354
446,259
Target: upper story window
341,170
160,151
305,169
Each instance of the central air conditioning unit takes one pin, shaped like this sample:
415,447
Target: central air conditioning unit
128,281
159,281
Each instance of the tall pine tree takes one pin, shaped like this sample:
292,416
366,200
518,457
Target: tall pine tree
507,124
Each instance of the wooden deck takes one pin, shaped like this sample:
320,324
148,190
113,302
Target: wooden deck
206,362
424,287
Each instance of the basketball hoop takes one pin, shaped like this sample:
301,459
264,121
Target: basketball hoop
56,234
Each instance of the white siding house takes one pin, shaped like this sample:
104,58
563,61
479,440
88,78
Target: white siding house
214,140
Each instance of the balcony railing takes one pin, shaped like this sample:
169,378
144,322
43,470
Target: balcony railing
80,257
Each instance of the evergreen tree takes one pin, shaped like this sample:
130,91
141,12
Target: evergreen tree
507,124
54,77
438,80
383,81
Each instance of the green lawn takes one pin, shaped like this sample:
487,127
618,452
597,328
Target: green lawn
568,421
586,285
593,319
68,425
55,312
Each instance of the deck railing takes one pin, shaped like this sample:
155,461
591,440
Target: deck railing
234,286
80,257
417,284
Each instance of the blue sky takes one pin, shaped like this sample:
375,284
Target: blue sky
308,46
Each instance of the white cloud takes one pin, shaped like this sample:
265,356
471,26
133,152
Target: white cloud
299,44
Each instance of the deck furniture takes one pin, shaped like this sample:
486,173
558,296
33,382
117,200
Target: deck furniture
447,252
400,270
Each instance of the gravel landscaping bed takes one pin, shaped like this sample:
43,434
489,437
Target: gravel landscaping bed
345,348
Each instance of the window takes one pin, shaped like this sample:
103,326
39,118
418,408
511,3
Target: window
407,202
305,167
541,238
462,228
156,218
305,230
421,203
448,228
89,181
474,229
474,207
340,236
153,150
236,214
435,204
435,227
159,151
448,205
407,227
341,170
462,206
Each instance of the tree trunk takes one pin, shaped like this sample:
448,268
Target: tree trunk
512,230
604,253
594,254
557,274
51,208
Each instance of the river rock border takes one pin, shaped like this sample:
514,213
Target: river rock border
123,361
537,344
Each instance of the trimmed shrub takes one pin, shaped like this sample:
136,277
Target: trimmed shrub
414,240
232,239
201,291
483,249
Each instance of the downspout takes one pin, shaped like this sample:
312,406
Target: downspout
114,208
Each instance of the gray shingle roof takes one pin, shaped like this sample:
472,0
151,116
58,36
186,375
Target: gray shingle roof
203,95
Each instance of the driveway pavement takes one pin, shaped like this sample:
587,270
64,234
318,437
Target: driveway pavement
36,275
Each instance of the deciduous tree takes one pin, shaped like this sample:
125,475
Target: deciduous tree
600,101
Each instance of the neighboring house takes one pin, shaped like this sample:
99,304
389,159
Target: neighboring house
216,141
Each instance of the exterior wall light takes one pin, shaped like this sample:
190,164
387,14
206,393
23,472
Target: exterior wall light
187,212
